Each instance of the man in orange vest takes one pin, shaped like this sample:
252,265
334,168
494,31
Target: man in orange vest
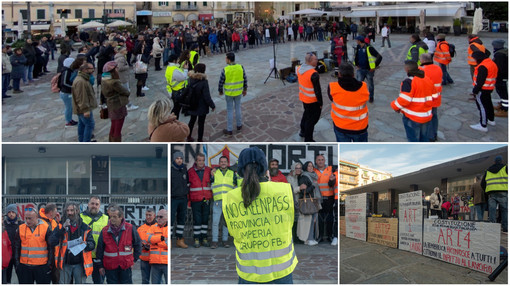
326,181
415,103
143,232
484,82
118,248
73,267
475,45
158,238
349,106
443,57
33,252
435,74
50,215
310,94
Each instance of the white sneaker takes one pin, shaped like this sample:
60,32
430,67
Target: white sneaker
479,127
312,242
492,123
145,88
334,242
132,107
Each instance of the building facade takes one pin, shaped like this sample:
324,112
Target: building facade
354,175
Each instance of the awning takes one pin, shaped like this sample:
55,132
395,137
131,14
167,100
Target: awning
192,17
435,12
35,27
361,14
144,13
179,18
205,17
399,13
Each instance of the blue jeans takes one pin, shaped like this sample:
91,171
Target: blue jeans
284,280
345,137
166,53
29,73
6,79
178,212
85,127
472,212
68,103
146,272
479,210
212,47
119,276
217,213
501,199
361,74
446,75
158,272
416,132
74,273
433,125
231,100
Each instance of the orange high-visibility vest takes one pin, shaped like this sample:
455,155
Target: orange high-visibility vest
349,108
417,104
60,253
323,180
46,219
442,53
492,74
306,91
143,231
471,61
34,249
159,248
435,74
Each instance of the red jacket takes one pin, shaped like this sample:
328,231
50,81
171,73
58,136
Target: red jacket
199,190
6,250
236,37
120,254
279,178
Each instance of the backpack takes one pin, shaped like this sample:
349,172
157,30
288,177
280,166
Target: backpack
55,83
292,77
321,67
451,48
189,99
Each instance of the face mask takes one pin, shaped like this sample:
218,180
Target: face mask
92,79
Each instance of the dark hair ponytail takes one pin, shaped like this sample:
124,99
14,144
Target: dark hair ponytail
251,184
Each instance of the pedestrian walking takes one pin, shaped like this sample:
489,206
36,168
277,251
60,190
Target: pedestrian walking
366,60
385,34
279,259
443,57
310,95
234,83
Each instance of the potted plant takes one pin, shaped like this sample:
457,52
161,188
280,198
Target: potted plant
456,27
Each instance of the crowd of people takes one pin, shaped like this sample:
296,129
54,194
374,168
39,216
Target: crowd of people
48,247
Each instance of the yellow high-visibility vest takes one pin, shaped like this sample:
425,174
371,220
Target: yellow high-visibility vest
262,232
172,85
96,227
222,184
496,182
234,80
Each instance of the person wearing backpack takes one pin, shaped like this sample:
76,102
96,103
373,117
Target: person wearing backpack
200,100
443,56
65,85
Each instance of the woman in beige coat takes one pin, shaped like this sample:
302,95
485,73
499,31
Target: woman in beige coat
157,53
163,125
436,200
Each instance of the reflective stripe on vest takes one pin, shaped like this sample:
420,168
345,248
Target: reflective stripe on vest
421,51
306,90
492,73
496,181
200,189
349,109
324,180
34,248
222,183
159,248
115,254
441,56
172,85
234,80
471,61
96,227
262,259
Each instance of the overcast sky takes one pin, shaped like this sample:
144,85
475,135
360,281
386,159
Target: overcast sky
399,159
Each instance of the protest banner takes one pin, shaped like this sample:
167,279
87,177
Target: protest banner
356,216
383,231
410,225
470,244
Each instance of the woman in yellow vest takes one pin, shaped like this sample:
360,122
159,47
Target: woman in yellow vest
260,216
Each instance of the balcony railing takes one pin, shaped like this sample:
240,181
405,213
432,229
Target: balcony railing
185,7
235,6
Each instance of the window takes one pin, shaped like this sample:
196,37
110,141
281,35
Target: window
24,14
163,4
3,15
178,5
204,4
138,176
92,13
41,14
79,176
78,13
107,11
119,11
35,176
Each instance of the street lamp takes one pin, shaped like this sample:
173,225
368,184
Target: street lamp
105,16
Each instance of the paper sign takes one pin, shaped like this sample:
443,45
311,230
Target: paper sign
383,231
356,216
410,225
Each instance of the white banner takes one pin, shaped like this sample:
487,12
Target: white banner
410,221
470,244
356,216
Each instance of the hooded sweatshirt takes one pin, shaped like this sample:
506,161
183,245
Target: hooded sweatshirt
315,78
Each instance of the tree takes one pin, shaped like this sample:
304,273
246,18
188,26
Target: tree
494,10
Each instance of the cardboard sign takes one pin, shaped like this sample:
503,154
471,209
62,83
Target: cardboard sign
383,231
470,244
410,225
342,225
356,216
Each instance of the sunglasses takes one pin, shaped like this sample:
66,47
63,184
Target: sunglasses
29,209
160,216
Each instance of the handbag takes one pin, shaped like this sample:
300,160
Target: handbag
308,206
140,66
103,113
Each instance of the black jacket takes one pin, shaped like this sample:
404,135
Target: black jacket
29,53
501,60
58,236
493,169
11,229
201,87
309,187
65,81
372,51
180,180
